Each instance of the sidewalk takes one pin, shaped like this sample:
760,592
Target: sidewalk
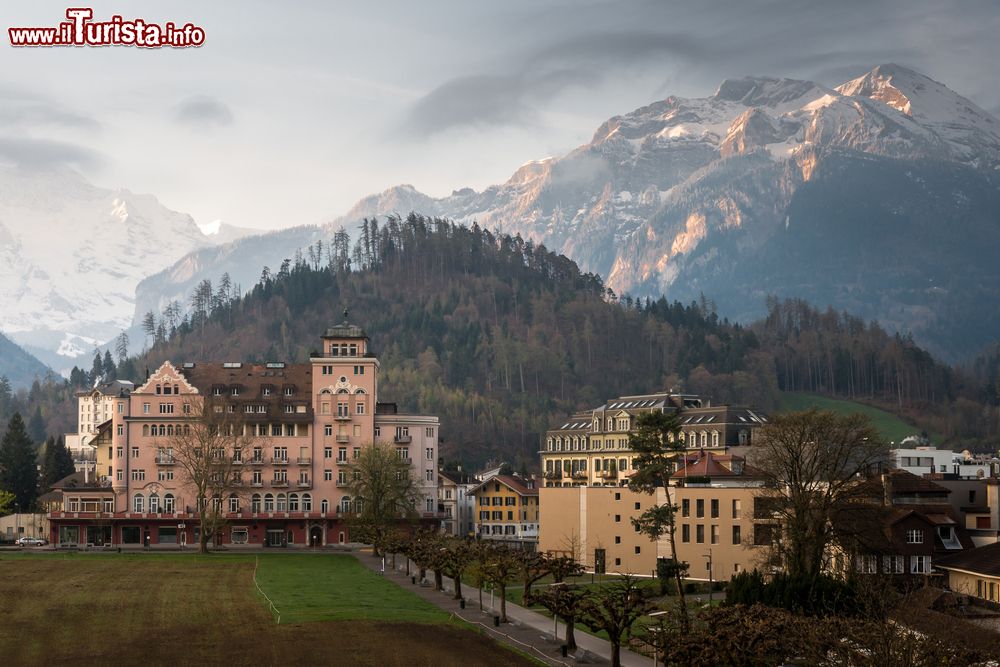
529,631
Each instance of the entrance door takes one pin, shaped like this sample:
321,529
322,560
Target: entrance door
316,536
274,538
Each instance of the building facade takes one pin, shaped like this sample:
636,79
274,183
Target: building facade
507,510
94,407
456,502
591,447
306,425
720,528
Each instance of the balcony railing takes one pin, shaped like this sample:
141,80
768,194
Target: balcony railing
609,474
402,439
579,474
304,483
551,474
341,484
256,484
165,461
257,461
343,438
345,462
280,460
342,418
304,460
279,482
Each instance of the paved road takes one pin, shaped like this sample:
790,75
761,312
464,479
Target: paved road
529,631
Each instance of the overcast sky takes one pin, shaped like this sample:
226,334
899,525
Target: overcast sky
292,111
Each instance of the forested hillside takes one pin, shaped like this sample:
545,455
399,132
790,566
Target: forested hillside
500,338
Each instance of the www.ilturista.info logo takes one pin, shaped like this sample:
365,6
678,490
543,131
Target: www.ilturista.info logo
80,30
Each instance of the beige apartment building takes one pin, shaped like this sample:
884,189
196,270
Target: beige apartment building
591,447
717,525
94,407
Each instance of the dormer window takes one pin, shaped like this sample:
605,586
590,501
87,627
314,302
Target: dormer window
235,391
217,391
289,391
159,390
267,391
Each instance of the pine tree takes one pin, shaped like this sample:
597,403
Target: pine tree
18,471
36,425
97,368
109,366
121,347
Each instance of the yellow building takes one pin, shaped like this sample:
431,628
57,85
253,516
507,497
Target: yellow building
507,510
974,572
591,447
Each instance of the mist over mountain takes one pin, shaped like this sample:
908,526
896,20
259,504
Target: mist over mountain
71,255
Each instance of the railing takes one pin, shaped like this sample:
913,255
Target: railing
304,483
279,482
257,461
345,462
402,439
343,438
165,460
580,474
552,474
609,474
342,418
281,460
342,484
256,484
304,460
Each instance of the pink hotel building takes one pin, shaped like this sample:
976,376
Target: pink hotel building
312,419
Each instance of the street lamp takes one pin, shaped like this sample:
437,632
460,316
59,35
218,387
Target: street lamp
710,582
656,649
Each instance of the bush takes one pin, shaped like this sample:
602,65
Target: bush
822,595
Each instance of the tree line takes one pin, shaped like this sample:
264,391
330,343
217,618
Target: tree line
501,337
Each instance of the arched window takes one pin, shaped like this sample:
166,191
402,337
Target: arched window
704,438
158,390
744,437
550,443
163,429
170,429
343,391
217,503
145,429
255,503
168,502
345,504
138,503
715,438
324,506
360,391
280,507
268,502
176,389
307,503
293,502
154,503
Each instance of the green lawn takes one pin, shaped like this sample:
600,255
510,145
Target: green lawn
333,587
889,425
68,608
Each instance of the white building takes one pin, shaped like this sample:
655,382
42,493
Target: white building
929,459
95,406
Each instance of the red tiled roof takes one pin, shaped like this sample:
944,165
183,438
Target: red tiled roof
709,464
510,481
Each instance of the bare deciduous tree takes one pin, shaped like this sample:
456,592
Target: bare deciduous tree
207,448
383,492
815,463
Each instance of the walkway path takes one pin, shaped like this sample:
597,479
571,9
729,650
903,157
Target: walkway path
528,631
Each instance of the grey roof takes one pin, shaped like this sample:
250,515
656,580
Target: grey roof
345,330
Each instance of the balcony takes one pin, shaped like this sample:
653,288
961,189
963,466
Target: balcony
257,461
342,418
343,484
402,439
608,474
237,462
256,485
279,483
345,462
343,438
579,474
552,474
304,460
304,483
280,460
165,461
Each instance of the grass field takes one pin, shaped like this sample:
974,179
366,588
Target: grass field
152,609
889,425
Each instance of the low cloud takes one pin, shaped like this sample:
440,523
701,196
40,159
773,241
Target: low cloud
513,99
203,112
21,108
44,153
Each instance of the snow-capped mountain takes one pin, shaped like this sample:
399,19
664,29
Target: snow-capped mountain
879,196
71,255
684,196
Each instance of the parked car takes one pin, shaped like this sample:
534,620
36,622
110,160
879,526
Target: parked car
31,542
